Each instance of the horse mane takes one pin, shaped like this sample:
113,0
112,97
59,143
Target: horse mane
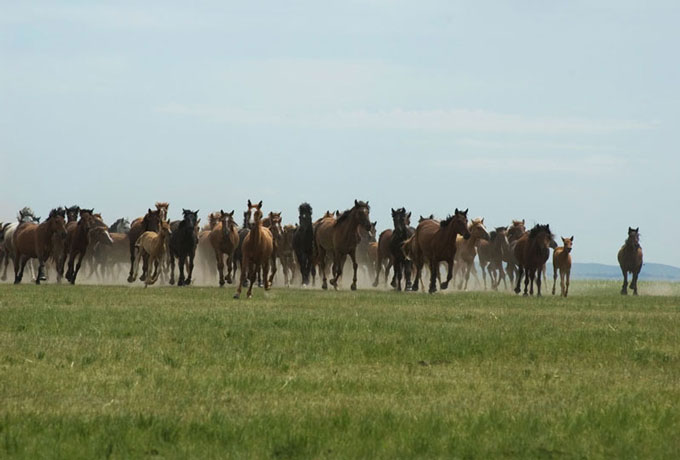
162,204
57,212
346,213
343,216
446,221
492,235
305,207
538,229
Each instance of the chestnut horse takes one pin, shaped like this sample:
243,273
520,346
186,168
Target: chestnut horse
514,233
466,251
435,242
339,238
33,240
223,239
257,250
287,254
630,260
383,258
149,223
562,262
25,215
273,223
532,251
79,236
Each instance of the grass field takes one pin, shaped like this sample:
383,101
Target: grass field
91,372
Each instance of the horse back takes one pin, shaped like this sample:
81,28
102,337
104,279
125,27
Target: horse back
26,239
261,249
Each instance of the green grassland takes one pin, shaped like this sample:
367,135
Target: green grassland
93,372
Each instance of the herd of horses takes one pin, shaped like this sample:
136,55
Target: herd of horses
73,235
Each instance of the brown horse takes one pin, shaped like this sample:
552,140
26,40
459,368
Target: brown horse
384,257
257,250
466,251
149,223
630,260
435,242
79,236
562,262
223,239
273,223
287,254
339,238
492,253
33,240
151,246
514,233
531,252
109,259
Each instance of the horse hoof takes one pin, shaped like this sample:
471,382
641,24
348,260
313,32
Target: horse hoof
444,285
187,282
237,296
250,296
229,280
393,283
353,287
131,279
172,283
221,283
526,295
324,286
375,284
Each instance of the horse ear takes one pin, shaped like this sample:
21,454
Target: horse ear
366,203
259,205
482,221
456,212
392,211
221,211
231,213
466,211
249,203
356,203
637,229
149,210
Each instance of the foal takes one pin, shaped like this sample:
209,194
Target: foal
257,250
151,245
562,261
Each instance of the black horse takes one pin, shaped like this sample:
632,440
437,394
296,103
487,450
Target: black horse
183,242
401,232
303,243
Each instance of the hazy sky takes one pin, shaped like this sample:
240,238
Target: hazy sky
565,113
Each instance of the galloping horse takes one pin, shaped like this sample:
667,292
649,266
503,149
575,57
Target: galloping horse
435,242
258,247
79,236
25,215
303,243
562,262
531,252
273,223
149,223
401,232
151,246
238,254
466,251
383,259
630,260
515,231
339,238
223,239
33,240
72,213
492,253
287,254
364,259
183,242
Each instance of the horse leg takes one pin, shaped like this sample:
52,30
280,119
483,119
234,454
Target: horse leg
230,263
77,269
253,272
190,269
4,273
353,256
527,274
407,271
434,267
624,289
538,282
172,268
419,268
567,276
181,262
555,280
398,268
242,280
449,274
322,267
562,286
220,267
265,273
633,283
518,287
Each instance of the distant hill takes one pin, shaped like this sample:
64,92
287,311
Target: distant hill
650,272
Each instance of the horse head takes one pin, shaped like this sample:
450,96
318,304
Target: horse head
568,243
478,230
254,213
633,237
152,220
162,208
72,213
542,236
361,213
56,222
190,217
275,223
305,211
400,219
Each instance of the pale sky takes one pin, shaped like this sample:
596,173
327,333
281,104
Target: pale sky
564,113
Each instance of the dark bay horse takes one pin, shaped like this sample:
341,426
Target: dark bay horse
257,249
183,242
80,235
339,238
25,215
151,222
435,242
492,253
33,240
514,232
532,251
224,238
401,232
286,253
383,257
630,260
303,243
